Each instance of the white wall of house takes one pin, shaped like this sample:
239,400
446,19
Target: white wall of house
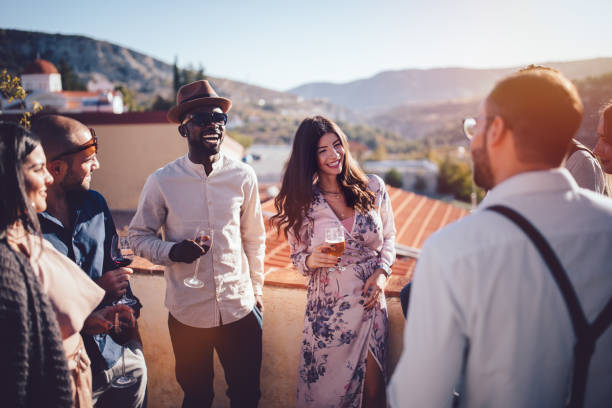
47,100
411,171
42,82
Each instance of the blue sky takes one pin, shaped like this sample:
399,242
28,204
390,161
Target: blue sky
282,44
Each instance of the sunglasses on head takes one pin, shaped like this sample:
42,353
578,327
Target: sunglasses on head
90,147
202,119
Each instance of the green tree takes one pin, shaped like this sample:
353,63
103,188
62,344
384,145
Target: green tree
394,178
11,89
187,75
129,101
176,76
420,184
200,73
70,81
161,104
380,153
455,177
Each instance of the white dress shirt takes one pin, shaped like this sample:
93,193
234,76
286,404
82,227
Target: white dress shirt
181,198
486,316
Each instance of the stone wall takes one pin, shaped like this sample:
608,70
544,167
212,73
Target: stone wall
283,318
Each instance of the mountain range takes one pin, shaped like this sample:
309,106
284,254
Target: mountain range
410,104
88,58
147,77
390,89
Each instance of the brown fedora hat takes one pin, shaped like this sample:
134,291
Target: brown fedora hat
198,93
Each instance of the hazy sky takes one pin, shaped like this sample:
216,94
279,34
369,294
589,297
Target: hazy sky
282,44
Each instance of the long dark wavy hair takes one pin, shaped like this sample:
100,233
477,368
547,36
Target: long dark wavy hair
16,143
301,172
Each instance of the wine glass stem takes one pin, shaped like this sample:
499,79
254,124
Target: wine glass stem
195,272
123,360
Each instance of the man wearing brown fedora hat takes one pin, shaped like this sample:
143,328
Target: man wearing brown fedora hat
207,191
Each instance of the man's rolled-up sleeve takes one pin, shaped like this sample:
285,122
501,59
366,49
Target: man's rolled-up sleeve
150,216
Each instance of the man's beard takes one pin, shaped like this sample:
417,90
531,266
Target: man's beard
72,184
201,145
483,175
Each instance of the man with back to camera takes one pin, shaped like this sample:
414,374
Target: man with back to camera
205,189
488,315
79,224
581,162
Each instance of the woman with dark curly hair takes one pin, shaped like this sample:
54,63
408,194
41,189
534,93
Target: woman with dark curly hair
344,344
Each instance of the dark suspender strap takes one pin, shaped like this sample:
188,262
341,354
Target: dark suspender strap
603,320
579,321
586,335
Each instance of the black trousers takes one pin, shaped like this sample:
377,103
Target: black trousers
238,346
405,298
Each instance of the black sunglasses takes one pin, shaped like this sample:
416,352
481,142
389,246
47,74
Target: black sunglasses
203,119
91,146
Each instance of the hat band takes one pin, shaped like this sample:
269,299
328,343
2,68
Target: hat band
200,96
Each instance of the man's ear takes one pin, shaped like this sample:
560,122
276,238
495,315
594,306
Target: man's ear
182,130
497,131
58,169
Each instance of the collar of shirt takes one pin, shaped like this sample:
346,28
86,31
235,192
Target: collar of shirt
557,179
199,168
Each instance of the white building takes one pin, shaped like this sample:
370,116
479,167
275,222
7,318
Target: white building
43,84
41,76
268,161
417,175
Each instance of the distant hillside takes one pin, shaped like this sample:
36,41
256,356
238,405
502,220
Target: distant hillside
404,110
389,89
439,123
436,124
147,77
88,58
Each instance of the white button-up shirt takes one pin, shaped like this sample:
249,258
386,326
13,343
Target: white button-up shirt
485,308
180,198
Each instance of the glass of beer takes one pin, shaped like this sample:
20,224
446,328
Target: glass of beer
334,238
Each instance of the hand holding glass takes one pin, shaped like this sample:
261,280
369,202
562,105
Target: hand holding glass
122,256
204,238
334,237
124,380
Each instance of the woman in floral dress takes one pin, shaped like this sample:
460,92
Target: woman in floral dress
344,343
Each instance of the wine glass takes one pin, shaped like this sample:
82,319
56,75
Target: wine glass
124,380
204,238
334,237
122,256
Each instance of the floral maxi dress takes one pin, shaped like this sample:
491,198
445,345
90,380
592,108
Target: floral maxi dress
338,332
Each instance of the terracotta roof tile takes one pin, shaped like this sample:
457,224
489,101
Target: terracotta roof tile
40,66
80,94
416,217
